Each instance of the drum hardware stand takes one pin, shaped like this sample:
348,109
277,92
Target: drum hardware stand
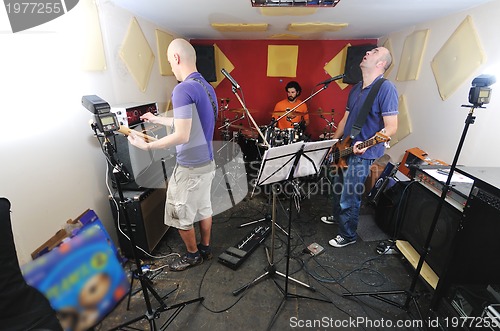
410,294
330,124
287,159
146,285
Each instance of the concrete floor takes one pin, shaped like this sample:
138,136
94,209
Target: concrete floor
273,303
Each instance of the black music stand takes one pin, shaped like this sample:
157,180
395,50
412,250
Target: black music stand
280,164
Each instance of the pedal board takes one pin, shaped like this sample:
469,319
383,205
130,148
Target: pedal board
235,255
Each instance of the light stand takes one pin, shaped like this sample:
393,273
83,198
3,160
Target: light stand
146,286
106,123
410,293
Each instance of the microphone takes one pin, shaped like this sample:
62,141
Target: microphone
228,76
329,80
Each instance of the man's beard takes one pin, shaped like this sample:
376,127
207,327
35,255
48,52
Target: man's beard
292,99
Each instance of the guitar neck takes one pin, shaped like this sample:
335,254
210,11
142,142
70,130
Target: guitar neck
126,131
367,143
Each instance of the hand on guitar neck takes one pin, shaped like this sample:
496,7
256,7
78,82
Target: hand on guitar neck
342,149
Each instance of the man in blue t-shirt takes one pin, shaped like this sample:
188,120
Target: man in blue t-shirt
348,184
188,194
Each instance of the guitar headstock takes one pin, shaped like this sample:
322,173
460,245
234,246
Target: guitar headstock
380,137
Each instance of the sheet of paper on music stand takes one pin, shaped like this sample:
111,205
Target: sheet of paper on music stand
277,163
313,156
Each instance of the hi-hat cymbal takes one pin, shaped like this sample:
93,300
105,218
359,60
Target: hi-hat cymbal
320,113
239,127
237,110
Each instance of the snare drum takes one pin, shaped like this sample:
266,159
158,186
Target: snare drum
269,134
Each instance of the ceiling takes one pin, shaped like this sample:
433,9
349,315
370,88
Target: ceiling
237,19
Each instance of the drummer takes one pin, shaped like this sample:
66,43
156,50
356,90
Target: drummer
299,115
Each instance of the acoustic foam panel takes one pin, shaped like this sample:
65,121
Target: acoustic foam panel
94,58
221,61
336,66
404,123
411,57
316,27
459,57
240,27
282,60
163,39
388,45
137,55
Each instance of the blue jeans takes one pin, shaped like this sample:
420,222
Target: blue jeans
348,189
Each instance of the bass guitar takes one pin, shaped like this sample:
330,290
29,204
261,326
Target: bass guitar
126,131
343,148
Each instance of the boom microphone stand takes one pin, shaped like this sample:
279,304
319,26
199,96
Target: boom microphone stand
410,293
146,286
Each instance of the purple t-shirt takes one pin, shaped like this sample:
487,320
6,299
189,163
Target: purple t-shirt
191,101
385,103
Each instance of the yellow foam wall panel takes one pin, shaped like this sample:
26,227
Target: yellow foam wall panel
163,39
240,27
411,57
336,66
404,123
94,58
282,60
221,61
316,27
137,55
459,57
388,45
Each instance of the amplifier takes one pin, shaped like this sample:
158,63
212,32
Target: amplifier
434,178
129,114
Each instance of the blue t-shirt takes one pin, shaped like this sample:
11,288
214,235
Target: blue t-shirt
191,101
385,103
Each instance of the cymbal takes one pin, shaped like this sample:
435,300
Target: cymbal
237,110
320,113
239,127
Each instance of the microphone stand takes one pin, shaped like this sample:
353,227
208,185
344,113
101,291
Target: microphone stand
247,113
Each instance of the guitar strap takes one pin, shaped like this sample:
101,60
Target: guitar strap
367,105
214,107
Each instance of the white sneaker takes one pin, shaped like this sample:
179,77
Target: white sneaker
328,220
340,241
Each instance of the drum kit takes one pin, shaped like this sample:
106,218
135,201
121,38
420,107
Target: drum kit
250,140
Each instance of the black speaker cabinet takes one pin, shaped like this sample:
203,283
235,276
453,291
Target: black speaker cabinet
419,211
389,208
145,211
205,61
476,258
145,168
355,54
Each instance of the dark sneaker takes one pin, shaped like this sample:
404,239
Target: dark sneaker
328,219
205,253
340,241
184,262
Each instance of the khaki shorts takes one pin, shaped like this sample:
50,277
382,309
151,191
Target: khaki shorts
188,196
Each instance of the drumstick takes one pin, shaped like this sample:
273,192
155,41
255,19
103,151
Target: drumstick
126,131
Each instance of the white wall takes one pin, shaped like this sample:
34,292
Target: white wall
437,124
52,168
